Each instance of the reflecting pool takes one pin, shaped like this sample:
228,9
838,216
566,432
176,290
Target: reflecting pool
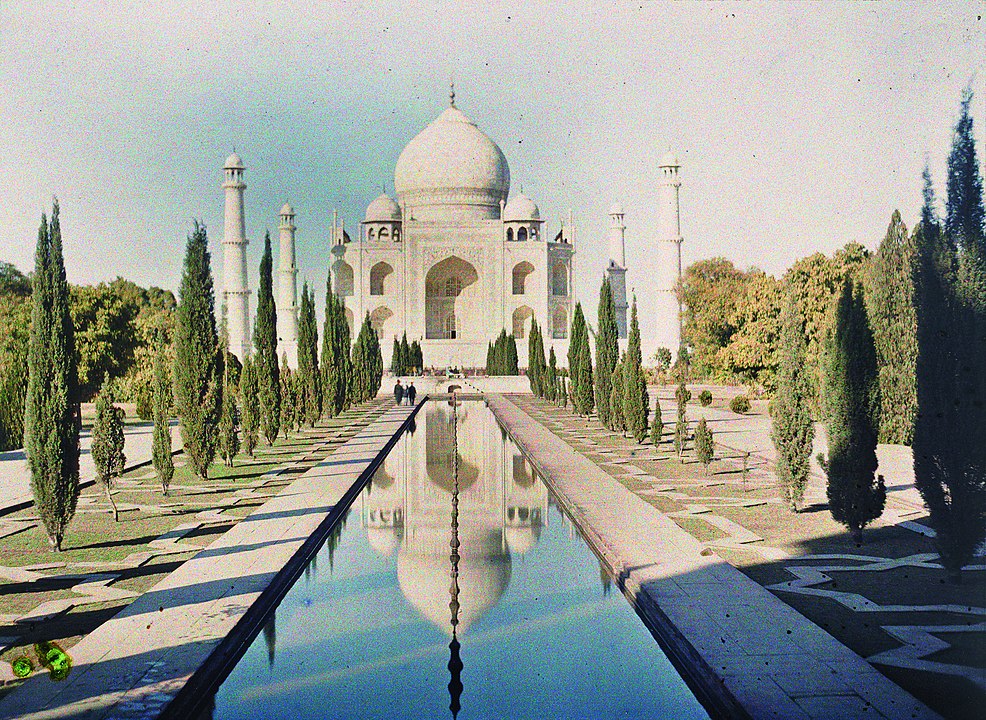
455,588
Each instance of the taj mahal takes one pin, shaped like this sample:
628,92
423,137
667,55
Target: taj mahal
455,259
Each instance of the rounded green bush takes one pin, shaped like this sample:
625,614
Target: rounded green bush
740,404
705,398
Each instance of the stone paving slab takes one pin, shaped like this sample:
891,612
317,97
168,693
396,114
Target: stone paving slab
733,633
135,663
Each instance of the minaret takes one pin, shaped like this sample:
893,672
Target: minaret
616,271
236,291
287,299
668,255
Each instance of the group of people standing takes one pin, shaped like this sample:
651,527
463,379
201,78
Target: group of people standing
405,395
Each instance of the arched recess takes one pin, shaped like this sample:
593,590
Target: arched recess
370,234
379,275
559,323
451,299
510,234
522,235
384,233
559,279
520,274
522,321
342,273
378,321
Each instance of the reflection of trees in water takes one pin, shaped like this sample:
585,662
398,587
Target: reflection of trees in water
438,440
381,478
270,638
523,477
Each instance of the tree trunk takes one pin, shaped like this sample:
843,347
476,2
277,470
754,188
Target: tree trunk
109,498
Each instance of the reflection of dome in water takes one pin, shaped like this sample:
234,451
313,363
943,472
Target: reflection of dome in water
385,540
522,539
438,440
424,574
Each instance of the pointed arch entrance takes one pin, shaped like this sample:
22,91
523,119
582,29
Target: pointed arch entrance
451,294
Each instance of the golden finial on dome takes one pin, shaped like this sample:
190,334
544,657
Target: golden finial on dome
451,93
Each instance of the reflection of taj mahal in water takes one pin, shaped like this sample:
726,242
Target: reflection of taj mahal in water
407,510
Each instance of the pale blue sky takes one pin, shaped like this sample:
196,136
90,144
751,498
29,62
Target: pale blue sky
800,126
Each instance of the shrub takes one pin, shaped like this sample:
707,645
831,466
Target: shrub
740,404
705,398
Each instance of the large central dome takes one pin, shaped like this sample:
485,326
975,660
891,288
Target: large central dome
452,171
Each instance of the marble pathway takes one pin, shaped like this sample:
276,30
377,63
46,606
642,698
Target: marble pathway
135,663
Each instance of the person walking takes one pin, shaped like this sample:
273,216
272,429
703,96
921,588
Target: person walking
398,392
411,393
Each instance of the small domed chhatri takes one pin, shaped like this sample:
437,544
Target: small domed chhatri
383,209
521,209
286,209
233,162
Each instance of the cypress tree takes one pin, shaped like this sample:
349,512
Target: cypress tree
617,420
376,364
950,292
636,401
198,371
250,404
580,365
107,442
229,421
852,401
657,424
396,361
417,357
265,341
607,352
309,375
536,366
704,443
964,216
52,420
406,356
792,429
551,376
289,404
335,354
490,367
367,363
890,304
164,464
681,395
512,360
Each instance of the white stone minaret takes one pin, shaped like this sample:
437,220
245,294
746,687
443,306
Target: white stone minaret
287,299
669,240
236,291
616,270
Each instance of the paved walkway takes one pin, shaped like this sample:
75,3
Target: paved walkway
15,478
710,615
133,665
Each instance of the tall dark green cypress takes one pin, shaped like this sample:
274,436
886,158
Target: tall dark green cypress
107,442
417,357
52,420
397,366
198,363
607,352
964,216
681,396
265,341
617,421
551,376
250,404
367,363
580,365
335,354
164,464
852,408
636,401
229,420
536,365
406,355
950,285
308,373
890,296
792,429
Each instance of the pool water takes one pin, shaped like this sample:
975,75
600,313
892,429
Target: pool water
455,588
